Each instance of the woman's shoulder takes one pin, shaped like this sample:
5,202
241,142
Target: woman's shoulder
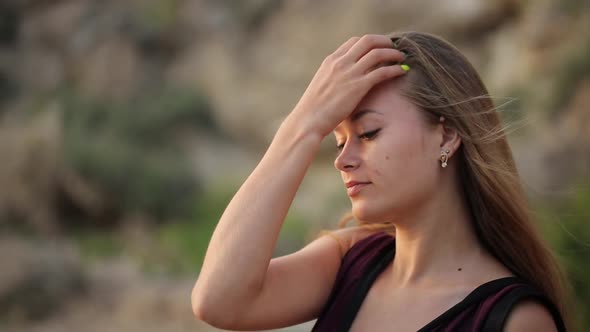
354,236
518,305
530,315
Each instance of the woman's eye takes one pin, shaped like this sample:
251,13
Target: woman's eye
369,135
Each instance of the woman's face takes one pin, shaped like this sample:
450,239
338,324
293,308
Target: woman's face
387,147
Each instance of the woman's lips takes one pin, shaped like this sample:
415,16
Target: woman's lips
354,189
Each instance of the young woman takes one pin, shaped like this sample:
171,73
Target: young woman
445,241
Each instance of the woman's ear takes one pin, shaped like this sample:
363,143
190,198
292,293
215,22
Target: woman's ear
450,139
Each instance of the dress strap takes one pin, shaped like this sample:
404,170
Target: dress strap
496,319
481,293
363,288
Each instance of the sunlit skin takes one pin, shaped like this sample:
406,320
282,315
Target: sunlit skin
400,158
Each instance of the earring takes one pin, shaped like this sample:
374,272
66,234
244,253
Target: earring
444,158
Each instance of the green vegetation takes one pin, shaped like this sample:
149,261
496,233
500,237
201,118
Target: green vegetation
565,225
179,247
96,245
156,16
130,151
573,7
572,70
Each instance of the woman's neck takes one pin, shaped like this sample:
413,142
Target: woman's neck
436,245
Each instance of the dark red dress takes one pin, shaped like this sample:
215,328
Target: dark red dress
368,257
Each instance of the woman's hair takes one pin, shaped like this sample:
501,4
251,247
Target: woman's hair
442,82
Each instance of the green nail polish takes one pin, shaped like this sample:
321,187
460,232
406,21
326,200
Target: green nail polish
405,67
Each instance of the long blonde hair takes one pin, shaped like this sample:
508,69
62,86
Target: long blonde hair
442,82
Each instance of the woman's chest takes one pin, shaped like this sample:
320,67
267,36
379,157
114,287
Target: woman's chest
402,311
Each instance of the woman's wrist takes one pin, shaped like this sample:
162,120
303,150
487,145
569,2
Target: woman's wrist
300,129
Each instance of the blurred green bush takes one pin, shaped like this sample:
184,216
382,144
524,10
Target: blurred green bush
574,69
179,247
131,151
565,224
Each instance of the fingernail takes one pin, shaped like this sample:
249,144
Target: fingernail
405,67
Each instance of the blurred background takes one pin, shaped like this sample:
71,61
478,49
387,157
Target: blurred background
125,127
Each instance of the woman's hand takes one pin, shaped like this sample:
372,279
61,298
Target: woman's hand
343,79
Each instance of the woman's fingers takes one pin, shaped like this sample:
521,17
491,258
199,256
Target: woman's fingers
342,80
378,56
385,72
366,44
345,47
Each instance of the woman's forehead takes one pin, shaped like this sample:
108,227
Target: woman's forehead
383,102
387,102
386,92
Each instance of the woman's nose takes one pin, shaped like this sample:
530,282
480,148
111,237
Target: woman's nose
347,159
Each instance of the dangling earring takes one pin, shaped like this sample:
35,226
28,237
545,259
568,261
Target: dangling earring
444,158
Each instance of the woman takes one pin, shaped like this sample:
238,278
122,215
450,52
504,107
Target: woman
444,228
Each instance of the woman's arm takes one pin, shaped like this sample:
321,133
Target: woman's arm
237,273
242,244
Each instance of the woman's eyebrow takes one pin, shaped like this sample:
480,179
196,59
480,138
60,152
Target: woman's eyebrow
359,114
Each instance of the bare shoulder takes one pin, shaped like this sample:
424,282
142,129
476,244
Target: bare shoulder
530,316
347,237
